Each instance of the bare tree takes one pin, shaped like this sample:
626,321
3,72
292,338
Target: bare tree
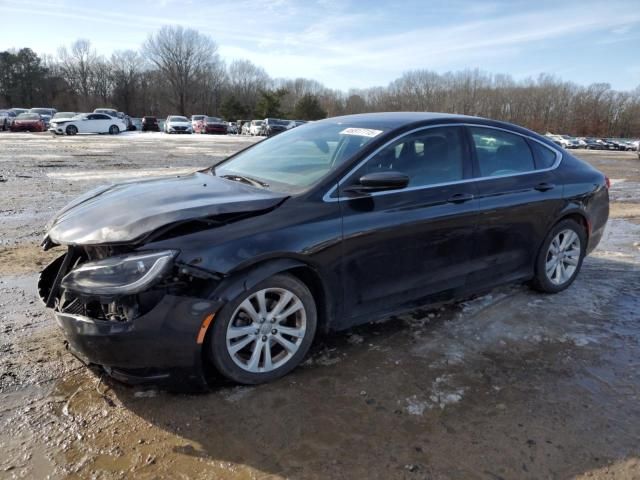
77,66
126,67
246,80
181,55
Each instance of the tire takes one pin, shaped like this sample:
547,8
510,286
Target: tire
256,332
71,130
114,130
569,240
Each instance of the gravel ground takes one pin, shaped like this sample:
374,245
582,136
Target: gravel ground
512,384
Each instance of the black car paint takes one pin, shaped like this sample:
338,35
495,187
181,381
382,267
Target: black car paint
363,257
128,211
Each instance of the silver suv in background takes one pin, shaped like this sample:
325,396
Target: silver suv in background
6,119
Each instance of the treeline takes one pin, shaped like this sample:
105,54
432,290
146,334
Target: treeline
178,70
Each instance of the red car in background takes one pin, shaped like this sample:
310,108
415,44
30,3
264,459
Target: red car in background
28,122
211,125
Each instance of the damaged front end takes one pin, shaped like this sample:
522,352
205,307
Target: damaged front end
134,313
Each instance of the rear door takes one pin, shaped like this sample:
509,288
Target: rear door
517,196
403,246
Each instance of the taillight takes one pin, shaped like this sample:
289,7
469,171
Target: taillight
607,182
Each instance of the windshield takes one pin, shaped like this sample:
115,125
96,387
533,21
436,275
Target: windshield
41,111
198,117
64,115
178,119
28,116
213,120
296,159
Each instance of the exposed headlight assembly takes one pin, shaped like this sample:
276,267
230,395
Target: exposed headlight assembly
120,275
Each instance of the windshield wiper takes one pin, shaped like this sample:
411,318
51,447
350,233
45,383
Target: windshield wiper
243,178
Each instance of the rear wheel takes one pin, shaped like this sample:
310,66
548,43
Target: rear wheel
71,130
560,257
265,332
114,130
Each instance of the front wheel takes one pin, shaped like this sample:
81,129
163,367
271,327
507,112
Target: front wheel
265,332
114,130
560,257
71,130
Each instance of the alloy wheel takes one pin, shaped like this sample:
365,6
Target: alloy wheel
563,257
266,330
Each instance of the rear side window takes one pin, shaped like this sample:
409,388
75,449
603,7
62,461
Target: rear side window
501,153
544,156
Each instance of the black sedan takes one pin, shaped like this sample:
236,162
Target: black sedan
325,226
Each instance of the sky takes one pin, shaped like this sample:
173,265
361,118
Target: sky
357,44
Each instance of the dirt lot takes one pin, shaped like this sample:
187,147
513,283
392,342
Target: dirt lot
512,384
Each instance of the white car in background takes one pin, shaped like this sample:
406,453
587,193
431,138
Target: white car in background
88,123
256,127
177,124
195,119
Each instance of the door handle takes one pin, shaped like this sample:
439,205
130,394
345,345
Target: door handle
544,186
460,198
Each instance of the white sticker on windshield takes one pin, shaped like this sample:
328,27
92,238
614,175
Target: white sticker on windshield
361,132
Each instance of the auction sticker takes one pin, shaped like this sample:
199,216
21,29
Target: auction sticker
361,132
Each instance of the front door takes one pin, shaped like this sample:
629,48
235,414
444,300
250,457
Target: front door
401,247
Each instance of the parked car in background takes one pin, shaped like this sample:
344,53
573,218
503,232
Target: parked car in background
273,126
6,119
28,122
245,128
45,113
232,128
18,110
606,144
564,141
177,124
135,124
239,265
570,142
593,144
211,125
256,127
150,124
63,116
88,123
195,119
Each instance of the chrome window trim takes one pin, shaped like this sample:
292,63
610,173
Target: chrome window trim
327,196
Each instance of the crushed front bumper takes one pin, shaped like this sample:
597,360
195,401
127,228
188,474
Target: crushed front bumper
160,346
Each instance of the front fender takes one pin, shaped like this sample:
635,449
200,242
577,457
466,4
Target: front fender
246,278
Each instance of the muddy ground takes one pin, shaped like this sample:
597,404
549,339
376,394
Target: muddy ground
512,384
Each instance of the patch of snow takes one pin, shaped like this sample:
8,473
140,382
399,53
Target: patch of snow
415,406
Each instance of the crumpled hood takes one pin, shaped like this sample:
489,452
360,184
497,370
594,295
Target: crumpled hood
127,211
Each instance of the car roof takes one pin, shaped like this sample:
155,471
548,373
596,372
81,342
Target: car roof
399,119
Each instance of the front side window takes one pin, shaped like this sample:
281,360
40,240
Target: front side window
428,157
501,153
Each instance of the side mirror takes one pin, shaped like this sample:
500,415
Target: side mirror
379,181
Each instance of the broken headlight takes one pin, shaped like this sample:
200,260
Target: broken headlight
121,275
